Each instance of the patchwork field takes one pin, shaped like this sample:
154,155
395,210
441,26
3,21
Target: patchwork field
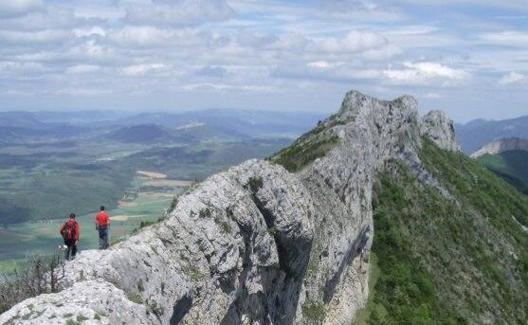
42,237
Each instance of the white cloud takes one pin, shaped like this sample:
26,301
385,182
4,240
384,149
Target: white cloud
82,69
506,38
84,32
10,8
424,72
20,67
353,41
91,49
226,87
348,5
432,95
142,69
324,64
251,47
513,78
178,12
26,38
88,92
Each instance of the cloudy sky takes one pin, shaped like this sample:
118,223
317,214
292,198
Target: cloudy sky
469,57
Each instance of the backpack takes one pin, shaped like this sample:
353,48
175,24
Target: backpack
68,232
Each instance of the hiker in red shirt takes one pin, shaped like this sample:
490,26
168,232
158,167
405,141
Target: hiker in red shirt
70,232
102,222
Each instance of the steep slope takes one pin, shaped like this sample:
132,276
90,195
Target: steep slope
511,166
507,158
262,243
443,261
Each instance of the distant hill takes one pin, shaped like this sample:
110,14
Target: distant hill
240,123
475,134
143,133
508,158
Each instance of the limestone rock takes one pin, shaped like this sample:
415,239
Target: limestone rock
437,126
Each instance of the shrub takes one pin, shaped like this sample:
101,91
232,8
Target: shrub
39,275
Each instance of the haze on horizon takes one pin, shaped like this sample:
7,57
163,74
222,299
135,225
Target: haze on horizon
465,57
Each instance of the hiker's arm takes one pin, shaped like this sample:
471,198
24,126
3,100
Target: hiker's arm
77,233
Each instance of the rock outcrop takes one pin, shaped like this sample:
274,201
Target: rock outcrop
439,127
502,145
256,244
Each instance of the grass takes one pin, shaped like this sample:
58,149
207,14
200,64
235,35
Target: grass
304,151
314,311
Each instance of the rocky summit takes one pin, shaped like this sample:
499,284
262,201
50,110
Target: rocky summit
278,241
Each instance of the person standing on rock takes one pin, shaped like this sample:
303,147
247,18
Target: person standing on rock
102,222
70,232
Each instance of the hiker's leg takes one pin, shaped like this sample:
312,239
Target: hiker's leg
105,238
67,253
74,251
101,242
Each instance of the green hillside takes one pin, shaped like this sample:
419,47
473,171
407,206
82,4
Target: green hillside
448,261
510,165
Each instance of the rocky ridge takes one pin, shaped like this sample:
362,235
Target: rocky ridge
256,244
500,146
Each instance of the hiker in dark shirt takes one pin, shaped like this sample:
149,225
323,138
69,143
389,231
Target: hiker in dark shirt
70,232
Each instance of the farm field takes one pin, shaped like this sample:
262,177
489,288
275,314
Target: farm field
42,237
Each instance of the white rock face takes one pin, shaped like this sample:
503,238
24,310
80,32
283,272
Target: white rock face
502,145
255,244
439,127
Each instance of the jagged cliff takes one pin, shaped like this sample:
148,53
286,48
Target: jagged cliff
502,145
281,241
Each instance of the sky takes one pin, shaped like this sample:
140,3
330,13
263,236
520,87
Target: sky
468,58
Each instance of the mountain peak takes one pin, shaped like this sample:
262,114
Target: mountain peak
355,102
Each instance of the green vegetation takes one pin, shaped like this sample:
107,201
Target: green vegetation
193,272
314,311
72,322
255,184
305,150
512,166
135,298
448,261
81,318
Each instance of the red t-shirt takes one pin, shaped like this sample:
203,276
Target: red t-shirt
102,218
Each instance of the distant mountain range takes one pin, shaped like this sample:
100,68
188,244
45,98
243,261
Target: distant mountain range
475,134
156,127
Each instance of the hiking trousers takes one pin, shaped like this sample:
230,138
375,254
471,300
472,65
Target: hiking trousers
71,250
103,237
